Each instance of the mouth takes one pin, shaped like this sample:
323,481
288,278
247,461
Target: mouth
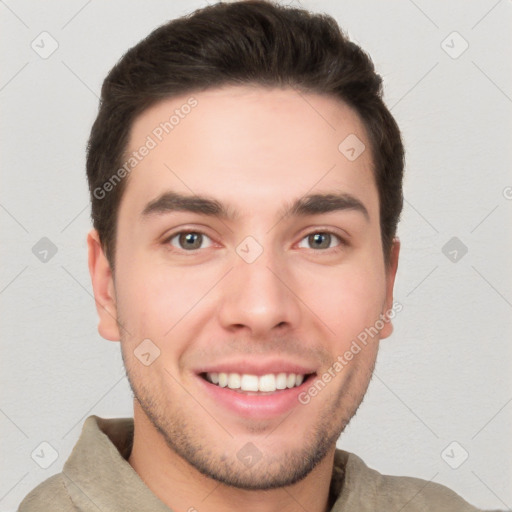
248,388
249,384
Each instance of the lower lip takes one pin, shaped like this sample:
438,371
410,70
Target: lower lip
255,406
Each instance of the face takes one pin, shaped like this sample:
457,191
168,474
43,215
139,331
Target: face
248,251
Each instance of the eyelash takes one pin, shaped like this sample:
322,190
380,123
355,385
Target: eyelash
342,242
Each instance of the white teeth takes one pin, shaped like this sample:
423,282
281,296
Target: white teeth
233,381
265,383
281,381
290,380
223,380
249,383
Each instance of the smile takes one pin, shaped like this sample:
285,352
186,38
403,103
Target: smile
244,382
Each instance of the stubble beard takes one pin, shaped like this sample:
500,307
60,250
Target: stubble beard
272,470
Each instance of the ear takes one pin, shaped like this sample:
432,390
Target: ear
103,287
391,269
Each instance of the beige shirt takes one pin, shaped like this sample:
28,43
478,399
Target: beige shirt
98,478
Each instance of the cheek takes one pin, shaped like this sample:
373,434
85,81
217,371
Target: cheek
153,298
349,301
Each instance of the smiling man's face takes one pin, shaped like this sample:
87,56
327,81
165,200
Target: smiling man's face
249,279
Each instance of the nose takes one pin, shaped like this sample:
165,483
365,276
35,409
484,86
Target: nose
258,297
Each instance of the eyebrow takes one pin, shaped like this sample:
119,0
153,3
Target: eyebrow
312,204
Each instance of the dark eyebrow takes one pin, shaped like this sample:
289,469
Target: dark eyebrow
172,201
313,204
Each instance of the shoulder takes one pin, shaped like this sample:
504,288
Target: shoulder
363,485
419,495
48,496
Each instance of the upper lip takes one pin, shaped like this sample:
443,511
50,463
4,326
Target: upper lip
254,367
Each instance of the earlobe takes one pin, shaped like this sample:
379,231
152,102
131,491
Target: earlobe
103,288
390,283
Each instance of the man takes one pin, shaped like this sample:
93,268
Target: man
246,184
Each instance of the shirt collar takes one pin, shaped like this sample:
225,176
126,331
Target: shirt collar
98,476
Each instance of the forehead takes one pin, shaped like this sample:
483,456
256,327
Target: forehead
248,146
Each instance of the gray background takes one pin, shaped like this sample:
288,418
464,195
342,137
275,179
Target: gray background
443,376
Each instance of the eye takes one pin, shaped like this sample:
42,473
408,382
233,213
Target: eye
323,239
194,240
189,240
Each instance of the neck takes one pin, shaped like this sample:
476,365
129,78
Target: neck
182,488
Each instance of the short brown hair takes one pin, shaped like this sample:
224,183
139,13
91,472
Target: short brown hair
246,42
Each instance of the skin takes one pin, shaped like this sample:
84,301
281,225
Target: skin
255,150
